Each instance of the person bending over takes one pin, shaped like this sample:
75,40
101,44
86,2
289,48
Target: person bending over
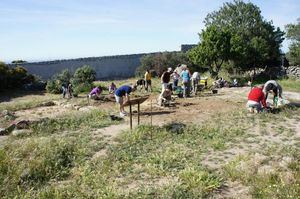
122,96
256,100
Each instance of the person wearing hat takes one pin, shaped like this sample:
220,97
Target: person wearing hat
165,79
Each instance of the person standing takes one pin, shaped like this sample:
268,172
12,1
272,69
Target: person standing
186,81
195,81
165,79
175,77
112,87
64,90
70,90
123,92
148,78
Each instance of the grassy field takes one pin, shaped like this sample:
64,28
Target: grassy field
230,154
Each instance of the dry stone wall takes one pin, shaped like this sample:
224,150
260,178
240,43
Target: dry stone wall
293,71
107,67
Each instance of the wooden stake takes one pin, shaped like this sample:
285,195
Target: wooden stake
151,113
138,113
151,118
130,110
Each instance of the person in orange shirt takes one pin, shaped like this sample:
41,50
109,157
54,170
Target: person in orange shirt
148,78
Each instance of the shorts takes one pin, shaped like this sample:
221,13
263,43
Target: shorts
164,86
119,99
148,82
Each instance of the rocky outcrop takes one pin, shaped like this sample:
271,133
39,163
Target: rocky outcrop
293,71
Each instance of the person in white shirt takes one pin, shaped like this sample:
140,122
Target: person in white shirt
195,81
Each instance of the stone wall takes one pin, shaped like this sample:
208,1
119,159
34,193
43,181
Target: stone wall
107,67
293,71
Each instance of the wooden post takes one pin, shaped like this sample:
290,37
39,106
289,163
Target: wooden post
151,118
138,113
130,110
151,113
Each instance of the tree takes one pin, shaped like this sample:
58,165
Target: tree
254,42
4,72
18,62
83,78
293,33
54,85
213,50
161,61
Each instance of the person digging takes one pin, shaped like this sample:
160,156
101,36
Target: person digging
122,97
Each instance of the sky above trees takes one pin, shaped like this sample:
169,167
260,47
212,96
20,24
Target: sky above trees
36,30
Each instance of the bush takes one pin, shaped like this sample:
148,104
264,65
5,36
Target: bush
54,85
83,79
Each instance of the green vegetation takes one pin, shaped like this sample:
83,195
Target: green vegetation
251,42
173,161
290,84
293,33
159,62
11,78
82,80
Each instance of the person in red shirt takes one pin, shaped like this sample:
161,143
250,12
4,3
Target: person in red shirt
256,99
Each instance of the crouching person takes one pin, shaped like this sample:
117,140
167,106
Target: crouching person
123,92
256,100
95,93
166,96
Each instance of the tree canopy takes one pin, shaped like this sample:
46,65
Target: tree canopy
239,33
293,33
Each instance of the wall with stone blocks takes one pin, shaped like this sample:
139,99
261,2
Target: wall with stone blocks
107,67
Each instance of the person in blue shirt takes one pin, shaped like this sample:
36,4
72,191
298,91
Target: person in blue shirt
123,92
186,80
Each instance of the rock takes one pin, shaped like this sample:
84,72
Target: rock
3,131
68,106
10,128
23,124
50,103
20,132
86,108
5,112
7,130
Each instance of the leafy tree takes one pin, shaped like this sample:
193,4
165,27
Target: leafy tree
293,33
161,61
4,72
83,78
254,42
18,76
213,50
54,85
18,62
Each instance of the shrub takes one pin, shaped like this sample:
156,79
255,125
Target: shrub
83,79
54,85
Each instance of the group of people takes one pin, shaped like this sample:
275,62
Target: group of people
257,97
190,81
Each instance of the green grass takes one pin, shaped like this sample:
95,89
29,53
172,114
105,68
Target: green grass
57,159
290,84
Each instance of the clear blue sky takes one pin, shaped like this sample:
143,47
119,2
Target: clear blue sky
36,30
